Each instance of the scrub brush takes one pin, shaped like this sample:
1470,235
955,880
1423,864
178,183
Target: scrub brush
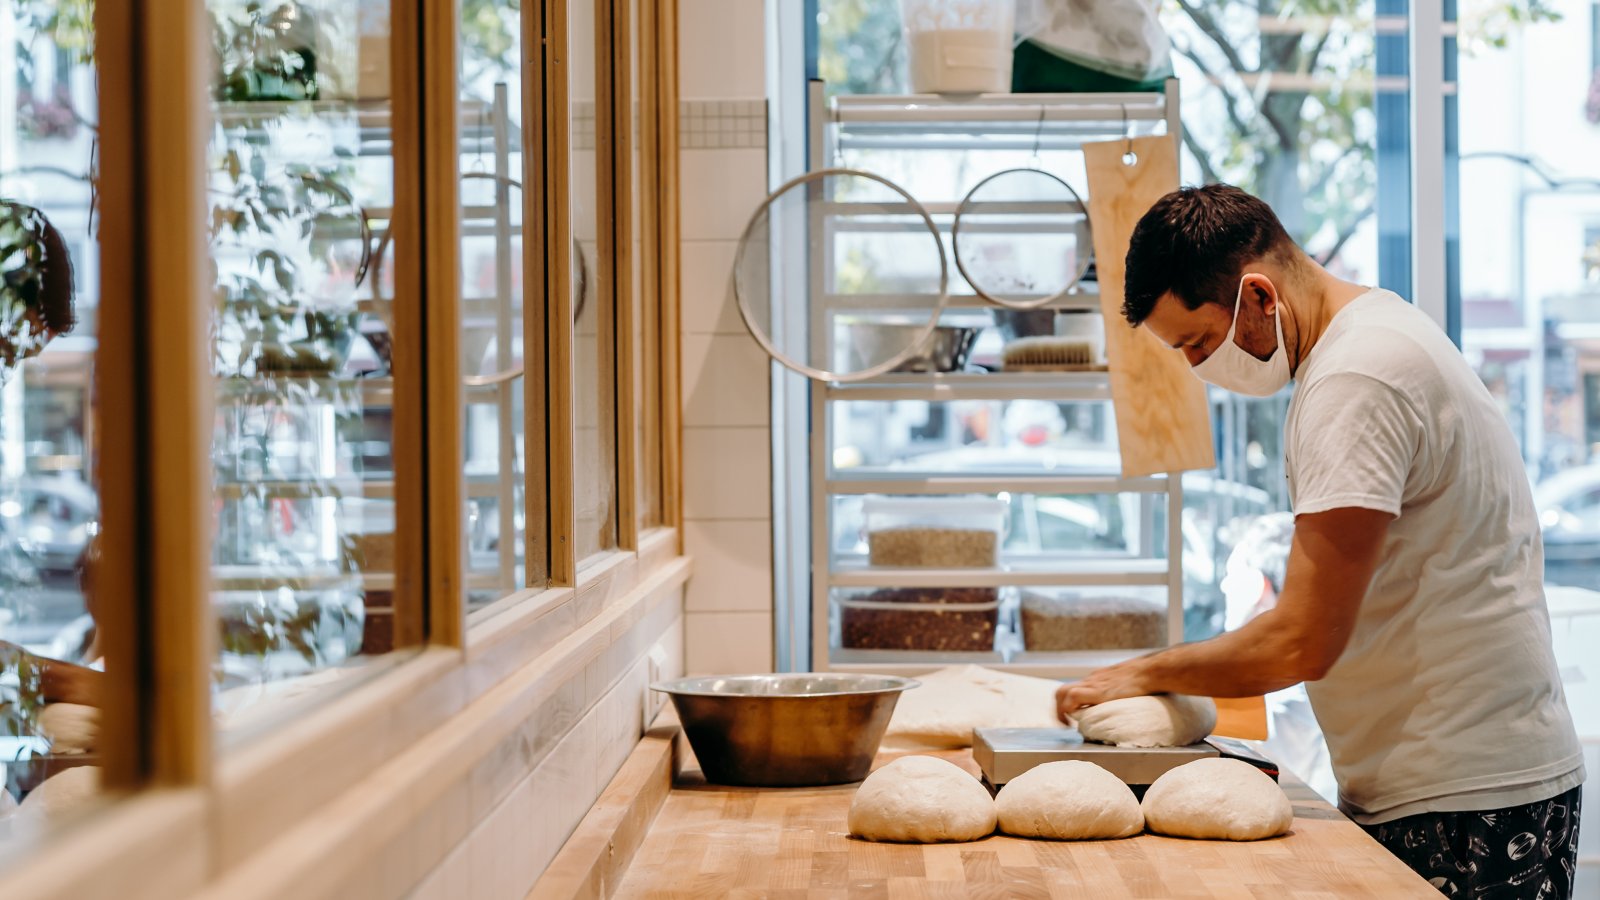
1049,354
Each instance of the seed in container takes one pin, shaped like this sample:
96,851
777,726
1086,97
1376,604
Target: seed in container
913,547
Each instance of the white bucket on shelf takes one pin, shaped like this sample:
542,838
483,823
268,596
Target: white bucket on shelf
959,46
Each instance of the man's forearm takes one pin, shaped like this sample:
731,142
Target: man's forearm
59,682
1257,659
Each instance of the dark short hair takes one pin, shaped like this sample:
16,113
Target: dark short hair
1195,243
49,287
56,294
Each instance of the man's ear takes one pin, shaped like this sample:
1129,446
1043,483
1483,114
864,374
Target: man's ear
1259,291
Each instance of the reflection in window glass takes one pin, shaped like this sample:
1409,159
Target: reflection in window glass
644,297
1530,286
492,298
49,641
301,190
594,402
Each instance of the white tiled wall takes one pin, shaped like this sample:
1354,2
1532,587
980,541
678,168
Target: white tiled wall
721,46
725,381
705,124
708,304
726,376
733,559
721,188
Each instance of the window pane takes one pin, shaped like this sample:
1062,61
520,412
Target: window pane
492,299
1529,268
594,402
49,508
301,187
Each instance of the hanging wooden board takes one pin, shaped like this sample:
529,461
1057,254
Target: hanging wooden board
1163,421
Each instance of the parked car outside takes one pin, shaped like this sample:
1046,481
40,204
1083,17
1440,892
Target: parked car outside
1568,504
52,519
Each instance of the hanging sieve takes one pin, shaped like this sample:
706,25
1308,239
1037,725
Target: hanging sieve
840,275
1021,238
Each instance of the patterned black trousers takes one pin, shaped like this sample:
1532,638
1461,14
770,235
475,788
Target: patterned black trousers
1520,853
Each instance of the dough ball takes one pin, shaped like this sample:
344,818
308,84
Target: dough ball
70,728
1163,720
1219,799
921,800
1071,800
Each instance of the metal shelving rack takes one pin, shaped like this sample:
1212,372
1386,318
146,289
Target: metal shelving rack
1039,122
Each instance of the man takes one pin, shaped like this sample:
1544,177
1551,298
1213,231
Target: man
1413,603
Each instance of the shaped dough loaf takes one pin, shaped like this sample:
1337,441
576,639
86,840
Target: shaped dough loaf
1164,720
1070,800
921,800
1217,799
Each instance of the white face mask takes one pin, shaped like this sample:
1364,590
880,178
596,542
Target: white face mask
1231,368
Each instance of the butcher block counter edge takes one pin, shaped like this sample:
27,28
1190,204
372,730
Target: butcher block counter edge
608,854
594,859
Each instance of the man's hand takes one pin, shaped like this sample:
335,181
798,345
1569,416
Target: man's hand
1330,565
1111,683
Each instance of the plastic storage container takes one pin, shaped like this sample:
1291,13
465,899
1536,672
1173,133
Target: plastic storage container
1088,327
1055,622
919,619
934,532
959,46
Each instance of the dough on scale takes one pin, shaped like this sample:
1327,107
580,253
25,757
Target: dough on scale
1217,799
921,800
1163,720
1071,800
70,727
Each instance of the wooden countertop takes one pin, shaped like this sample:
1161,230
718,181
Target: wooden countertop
713,841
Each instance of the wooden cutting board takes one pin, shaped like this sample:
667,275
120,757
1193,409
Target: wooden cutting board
1163,420
711,841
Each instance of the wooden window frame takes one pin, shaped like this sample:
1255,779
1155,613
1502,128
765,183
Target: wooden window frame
336,742
153,386
205,819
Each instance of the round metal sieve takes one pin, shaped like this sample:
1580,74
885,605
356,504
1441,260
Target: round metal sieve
1021,238
840,275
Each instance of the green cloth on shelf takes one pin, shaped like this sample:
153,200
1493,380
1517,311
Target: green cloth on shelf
1035,70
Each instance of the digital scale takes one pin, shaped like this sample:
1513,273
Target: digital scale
1005,753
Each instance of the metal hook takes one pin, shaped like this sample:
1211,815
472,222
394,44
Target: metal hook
1128,156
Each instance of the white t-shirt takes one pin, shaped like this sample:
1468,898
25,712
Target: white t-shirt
1447,698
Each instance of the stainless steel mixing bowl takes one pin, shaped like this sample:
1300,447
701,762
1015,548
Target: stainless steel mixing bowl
873,343
785,730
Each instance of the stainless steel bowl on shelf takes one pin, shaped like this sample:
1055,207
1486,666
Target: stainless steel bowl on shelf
872,343
1020,323
785,730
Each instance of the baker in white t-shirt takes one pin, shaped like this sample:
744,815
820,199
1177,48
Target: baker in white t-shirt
1413,605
